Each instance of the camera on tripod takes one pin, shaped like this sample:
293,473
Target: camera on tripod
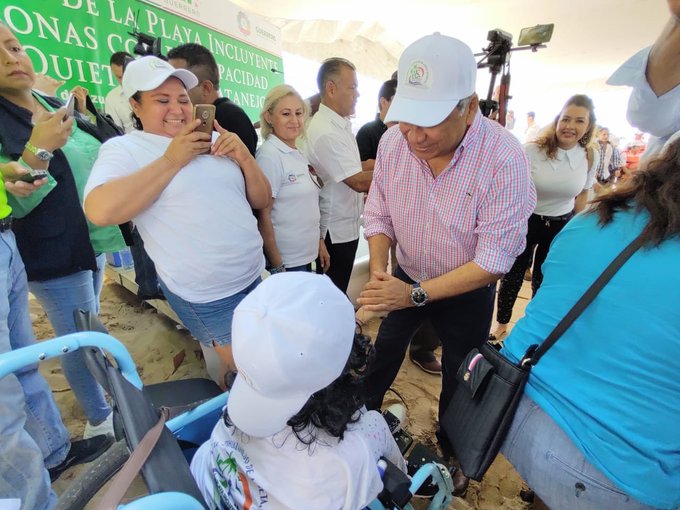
147,45
495,57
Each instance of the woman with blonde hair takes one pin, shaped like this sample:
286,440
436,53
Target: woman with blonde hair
291,226
563,164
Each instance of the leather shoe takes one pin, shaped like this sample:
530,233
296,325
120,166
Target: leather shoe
85,450
427,362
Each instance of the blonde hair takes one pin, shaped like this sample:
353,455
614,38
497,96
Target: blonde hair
547,139
273,97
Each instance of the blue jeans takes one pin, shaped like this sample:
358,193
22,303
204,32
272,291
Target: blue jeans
32,434
209,323
555,468
59,297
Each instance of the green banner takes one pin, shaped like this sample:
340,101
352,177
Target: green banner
72,40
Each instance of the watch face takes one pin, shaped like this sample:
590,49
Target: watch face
418,296
43,155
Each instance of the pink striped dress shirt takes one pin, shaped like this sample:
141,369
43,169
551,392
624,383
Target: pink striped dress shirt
475,210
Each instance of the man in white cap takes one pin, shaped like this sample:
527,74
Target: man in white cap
654,74
292,435
453,190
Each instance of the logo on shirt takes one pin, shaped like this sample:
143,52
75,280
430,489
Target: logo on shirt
291,178
231,470
419,74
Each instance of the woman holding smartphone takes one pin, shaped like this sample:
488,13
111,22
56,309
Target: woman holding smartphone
191,197
63,253
291,226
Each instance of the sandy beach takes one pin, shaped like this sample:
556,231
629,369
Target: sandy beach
157,344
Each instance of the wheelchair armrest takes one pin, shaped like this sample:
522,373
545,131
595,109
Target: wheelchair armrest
94,358
396,486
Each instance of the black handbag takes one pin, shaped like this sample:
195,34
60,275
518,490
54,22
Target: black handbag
490,386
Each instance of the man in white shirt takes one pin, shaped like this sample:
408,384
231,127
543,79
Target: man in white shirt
532,130
332,150
654,74
116,104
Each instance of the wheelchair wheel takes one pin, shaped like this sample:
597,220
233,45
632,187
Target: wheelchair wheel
89,482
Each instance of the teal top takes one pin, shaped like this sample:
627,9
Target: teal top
81,151
611,381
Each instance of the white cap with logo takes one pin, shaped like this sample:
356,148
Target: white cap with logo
291,337
148,73
435,73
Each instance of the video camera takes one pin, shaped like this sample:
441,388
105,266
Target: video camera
495,57
146,44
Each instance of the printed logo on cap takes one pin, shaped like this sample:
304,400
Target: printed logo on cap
157,63
419,74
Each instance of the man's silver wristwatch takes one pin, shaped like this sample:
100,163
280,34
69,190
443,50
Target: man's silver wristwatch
41,154
419,296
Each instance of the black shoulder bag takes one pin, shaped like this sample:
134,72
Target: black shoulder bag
490,386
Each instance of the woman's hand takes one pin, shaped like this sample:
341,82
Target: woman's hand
81,94
11,173
230,145
51,130
324,256
187,145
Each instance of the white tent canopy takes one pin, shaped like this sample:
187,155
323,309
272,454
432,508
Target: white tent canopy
590,40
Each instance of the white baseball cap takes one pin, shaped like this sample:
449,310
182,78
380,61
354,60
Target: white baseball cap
291,337
435,73
147,73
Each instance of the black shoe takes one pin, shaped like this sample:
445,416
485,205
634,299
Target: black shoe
154,295
85,450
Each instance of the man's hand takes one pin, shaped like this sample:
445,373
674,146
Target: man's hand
384,293
324,256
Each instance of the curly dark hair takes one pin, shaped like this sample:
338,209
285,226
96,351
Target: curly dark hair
655,189
334,407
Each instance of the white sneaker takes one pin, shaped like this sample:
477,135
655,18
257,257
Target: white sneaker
397,420
104,428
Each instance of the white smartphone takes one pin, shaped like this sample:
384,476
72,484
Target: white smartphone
70,105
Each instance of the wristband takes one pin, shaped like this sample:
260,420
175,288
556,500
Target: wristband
277,269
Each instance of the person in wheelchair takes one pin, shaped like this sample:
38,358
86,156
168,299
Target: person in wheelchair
295,433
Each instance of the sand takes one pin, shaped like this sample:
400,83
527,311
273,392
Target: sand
156,344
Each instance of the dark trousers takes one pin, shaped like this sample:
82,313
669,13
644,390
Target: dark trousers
424,341
461,322
540,234
145,270
342,261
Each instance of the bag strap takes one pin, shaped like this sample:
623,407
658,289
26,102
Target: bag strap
535,352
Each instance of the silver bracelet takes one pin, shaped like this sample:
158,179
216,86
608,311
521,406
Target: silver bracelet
277,269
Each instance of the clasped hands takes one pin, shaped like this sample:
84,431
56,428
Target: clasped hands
385,293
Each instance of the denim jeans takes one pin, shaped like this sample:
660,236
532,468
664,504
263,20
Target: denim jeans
209,323
32,434
555,468
59,297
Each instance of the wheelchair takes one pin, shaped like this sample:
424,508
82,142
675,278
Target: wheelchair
198,404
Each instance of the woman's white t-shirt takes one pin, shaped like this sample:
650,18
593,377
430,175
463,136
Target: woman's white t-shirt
236,471
295,213
200,232
559,180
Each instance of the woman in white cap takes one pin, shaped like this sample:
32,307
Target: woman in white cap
191,197
292,227
293,434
